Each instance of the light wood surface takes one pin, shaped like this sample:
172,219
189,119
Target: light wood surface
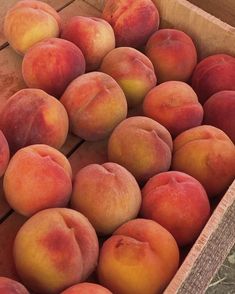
212,36
222,9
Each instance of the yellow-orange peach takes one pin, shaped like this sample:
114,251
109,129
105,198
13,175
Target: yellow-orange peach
29,22
141,257
9,286
93,35
37,177
4,153
206,153
86,288
213,74
133,71
175,105
31,116
141,145
108,195
133,21
173,55
55,249
52,64
95,104
178,202
219,112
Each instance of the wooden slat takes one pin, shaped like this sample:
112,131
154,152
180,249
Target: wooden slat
210,34
8,230
222,9
209,251
6,5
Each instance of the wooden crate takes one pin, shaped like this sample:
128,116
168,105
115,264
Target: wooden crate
211,36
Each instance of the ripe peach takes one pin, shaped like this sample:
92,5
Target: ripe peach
173,55
175,105
95,104
31,116
9,286
213,74
4,153
141,257
29,22
86,288
37,177
108,195
178,202
219,111
93,35
55,249
132,70
52,64
207,154
141,145
133,21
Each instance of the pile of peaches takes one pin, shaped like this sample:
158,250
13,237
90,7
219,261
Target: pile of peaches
169,119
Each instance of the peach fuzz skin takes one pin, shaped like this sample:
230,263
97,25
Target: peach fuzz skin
127,18
4,153
95,104
93,35
86,288
173,55
29,22
9,286
219,112
141,145
108,195
175,105
31,116
178,202
55,249
133,71
213,74
207,154
37,177
52,64
140,257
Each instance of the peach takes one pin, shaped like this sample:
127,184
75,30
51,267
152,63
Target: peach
127,18
108,195
140,257
37,177
55,249
4,153
52,64
141,145
95,104
219,111
213,74
132,70
86,288
175,105
31,116
207,154
173,55
29,22
178,202
9,286
93,35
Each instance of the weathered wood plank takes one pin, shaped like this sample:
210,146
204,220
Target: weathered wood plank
8,230
209,251
222,9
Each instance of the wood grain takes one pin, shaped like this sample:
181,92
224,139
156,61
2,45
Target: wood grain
209,251
222,9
